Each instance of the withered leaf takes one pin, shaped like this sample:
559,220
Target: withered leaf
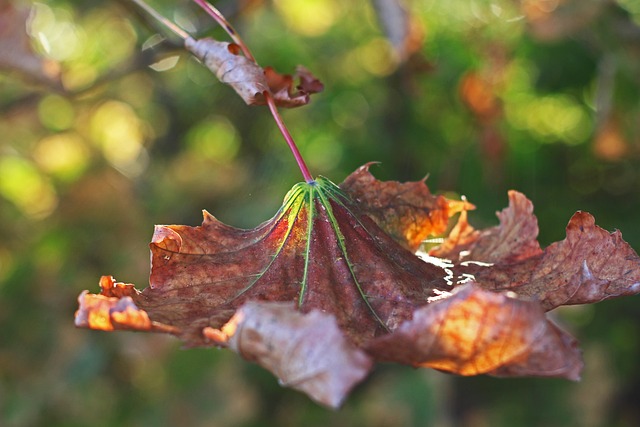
474,331
275,293
317,251
408,211
590,265
313,355
114,308
224,60
282,86
248,79
514,239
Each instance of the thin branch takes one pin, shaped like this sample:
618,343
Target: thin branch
157,16
222,21
140,61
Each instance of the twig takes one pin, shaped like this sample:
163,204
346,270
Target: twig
221,20
156,15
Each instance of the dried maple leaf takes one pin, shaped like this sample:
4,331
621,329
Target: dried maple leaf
475,331
513,240
323,278
115,309
408,211
313,355
590,265
317,251
282,86
248,79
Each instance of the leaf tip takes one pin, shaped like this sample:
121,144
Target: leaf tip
207,217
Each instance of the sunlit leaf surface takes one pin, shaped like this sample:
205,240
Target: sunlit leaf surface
326,257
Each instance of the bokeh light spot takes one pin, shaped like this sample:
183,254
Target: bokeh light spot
309,17
56,32
350,109
378,57
23,185
56,112
323,152
214,138
552,118
118,132
64,155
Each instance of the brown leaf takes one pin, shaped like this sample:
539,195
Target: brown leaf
283,91
513,240
114,309
275,293
307,352
16,53
317,251
555,354
590,265
248,79
475,332
461,236
224,60
408,212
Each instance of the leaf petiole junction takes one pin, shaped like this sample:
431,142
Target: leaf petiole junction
220,19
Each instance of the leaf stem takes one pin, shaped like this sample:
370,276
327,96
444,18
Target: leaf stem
288,138
222,21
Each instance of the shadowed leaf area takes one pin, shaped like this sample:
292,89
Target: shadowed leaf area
331,284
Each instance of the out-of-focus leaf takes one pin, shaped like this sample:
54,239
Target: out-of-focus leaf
400,27
554,20
479,95
610,142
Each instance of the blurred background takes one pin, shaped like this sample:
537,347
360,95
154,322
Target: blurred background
107,128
